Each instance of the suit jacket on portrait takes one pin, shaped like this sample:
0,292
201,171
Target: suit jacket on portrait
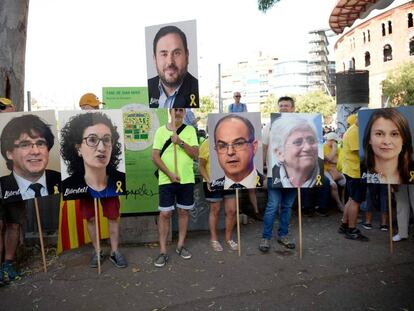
218,184
10,190
74,187
183,99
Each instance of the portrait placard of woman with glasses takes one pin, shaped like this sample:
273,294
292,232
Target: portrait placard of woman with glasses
91,147
296,142
235,151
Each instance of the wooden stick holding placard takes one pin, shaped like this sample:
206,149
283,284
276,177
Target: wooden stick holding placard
300,222
98,239
238,221
39,228
174,129
390,218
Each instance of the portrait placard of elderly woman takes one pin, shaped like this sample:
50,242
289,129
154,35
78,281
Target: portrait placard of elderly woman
91,147
296,142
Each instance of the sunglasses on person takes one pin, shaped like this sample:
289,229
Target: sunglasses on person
2,107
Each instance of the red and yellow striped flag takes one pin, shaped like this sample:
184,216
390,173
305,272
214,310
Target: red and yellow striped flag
73,231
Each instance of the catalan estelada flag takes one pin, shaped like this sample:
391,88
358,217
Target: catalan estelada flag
73,231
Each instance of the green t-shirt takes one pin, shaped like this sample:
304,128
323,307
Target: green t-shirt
184,162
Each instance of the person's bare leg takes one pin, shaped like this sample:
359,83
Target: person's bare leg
213,219
253,199
113,234
335,196
92,232
11,241
163,229
368,217
230,208
346,212
182,226
353,210
384,219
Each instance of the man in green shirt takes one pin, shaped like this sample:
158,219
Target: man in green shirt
176,179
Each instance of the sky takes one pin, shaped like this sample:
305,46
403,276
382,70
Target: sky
79,46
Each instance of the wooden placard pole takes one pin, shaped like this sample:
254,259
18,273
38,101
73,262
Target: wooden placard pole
174,129
39,228
390,218
98,238
238,222
300,222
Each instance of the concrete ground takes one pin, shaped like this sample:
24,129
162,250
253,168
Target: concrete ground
334,274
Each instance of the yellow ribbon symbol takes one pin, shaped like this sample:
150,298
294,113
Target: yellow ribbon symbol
192,98
118,186
411,176
318,180
258,181
56,190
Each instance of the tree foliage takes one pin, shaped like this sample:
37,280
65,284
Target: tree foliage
269,106
265,5
206,106
316,102
399,85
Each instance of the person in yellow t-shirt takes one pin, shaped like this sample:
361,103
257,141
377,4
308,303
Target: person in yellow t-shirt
356,189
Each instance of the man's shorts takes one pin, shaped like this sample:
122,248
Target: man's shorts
175,193
110,208
356,188
217,196
13,213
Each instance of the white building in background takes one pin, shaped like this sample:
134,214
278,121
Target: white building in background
260,75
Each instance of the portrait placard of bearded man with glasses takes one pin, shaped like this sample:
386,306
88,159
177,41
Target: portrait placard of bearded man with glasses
91,147
237,146
26,146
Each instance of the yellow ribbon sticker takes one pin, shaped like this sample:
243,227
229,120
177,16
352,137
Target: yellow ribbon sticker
56,190
318,180
192,98
258,181
411,176
118,186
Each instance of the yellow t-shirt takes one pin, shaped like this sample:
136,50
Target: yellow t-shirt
350,153
205,155
184,162
327,149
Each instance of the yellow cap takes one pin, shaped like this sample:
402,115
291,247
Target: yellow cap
90,99
5,101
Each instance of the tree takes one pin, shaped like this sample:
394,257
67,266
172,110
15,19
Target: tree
316,102
269,106
399,85
13,31
265,5
206,106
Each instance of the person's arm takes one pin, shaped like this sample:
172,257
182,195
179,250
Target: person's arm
191,151
160,164
331,156
202,163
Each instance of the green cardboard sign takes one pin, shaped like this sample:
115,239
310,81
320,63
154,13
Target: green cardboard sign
140,124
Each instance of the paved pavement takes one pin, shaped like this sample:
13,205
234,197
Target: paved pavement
334,274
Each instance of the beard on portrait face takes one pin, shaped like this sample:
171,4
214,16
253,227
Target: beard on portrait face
172,82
